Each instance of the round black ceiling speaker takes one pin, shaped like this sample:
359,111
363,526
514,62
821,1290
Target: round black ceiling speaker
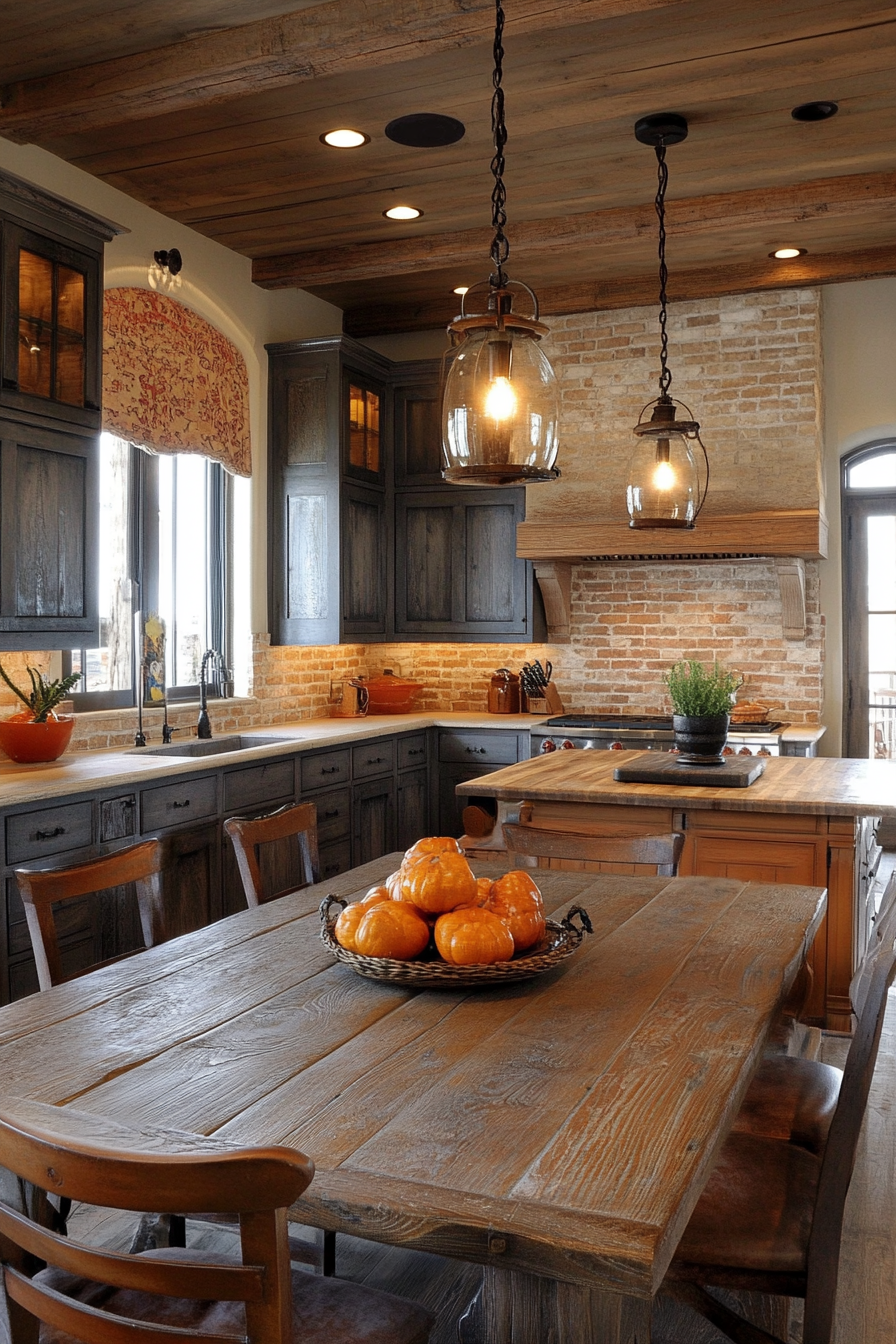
425,130
661,128
815,111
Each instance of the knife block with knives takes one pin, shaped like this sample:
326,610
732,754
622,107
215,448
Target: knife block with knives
538,694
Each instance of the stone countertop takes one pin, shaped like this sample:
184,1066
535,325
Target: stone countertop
90,771
820,786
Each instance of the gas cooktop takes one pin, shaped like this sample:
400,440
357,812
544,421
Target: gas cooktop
619,722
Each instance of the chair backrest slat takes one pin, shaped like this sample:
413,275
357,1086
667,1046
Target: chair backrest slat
42,888
248,833
840,1155
659,852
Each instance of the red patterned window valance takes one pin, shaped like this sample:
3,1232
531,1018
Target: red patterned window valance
172,381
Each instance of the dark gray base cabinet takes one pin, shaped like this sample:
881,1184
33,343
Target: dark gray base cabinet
467,754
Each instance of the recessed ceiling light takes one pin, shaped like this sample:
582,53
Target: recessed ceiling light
788,253
345,139
403,212
461,289
425,130
815,111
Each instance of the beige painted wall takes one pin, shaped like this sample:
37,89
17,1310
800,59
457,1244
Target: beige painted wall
215,281
859,349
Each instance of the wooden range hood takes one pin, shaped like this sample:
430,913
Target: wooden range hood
789,536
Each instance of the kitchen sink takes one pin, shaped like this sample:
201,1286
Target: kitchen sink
210,746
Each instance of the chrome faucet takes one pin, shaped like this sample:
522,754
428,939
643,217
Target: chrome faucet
205,728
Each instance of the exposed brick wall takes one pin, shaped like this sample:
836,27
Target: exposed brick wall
748,366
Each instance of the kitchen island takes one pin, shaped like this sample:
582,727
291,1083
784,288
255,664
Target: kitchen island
804,821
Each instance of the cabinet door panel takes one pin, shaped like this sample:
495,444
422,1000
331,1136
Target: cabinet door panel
412,807
490,564
365,539
759,860
191,879
373,811
417,414
48,506
426,578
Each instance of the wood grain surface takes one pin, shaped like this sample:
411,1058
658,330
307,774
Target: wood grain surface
557,1130
816,786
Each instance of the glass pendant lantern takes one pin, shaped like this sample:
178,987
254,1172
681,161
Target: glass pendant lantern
500,404
664,487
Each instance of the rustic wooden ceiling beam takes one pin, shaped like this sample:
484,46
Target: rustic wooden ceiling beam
828,198
634,291
328,39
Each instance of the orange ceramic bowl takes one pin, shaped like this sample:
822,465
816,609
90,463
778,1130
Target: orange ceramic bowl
28,742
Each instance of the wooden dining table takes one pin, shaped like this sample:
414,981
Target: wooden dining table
557,1131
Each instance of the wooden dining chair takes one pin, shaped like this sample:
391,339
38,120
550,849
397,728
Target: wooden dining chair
43,888
795,1099
249,833
771,1216
660,853
105,1297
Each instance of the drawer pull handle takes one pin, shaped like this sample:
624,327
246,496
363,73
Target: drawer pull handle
476,751
331,869
186,804
129,802
329,769
375,760
328,816
418,751
49,835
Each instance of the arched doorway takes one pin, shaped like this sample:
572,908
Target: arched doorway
868,493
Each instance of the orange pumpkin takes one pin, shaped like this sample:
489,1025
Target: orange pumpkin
483,890
438,882
516,899
392,929
473,937
431,844
347,924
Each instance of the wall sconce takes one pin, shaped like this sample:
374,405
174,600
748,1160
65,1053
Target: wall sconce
170,261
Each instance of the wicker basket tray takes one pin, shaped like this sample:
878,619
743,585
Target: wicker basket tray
430,972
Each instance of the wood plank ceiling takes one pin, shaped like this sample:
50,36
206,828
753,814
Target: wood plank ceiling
212,113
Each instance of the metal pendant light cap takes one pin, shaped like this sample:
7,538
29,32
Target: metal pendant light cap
664,422
499,315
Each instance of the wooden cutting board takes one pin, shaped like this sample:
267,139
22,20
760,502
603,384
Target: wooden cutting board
662,767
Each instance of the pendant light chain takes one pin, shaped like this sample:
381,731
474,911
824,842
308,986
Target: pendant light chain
500,249
663,181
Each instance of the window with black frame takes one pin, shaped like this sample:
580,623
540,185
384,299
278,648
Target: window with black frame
164,523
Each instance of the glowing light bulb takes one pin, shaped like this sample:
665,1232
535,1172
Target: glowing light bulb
500,400
664,476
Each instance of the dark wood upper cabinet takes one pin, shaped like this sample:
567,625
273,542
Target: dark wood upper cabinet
367,541
51,261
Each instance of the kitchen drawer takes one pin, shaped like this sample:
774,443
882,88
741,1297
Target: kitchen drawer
412,751
479,748
335,859
373,758
272,782
178,804
52,830
334,815
322,771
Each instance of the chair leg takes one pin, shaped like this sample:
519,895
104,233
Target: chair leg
329,1254
735,1327
158,1229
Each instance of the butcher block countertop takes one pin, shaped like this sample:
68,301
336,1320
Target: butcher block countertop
824,786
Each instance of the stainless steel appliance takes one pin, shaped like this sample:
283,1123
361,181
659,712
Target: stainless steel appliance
642,732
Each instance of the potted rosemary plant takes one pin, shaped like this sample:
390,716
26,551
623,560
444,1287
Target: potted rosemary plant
701,704
38,733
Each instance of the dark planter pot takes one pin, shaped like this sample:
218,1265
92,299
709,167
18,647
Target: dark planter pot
700,739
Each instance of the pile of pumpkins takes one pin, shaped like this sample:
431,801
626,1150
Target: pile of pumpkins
473,921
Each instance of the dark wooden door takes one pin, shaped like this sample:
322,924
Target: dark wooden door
49,502
456,568
412,807
373,816
366,535
869,605
417,419
191,878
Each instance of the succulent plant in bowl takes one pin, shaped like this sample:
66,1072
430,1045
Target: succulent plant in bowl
37,733
701,705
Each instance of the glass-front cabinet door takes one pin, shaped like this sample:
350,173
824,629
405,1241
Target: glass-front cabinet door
50,362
